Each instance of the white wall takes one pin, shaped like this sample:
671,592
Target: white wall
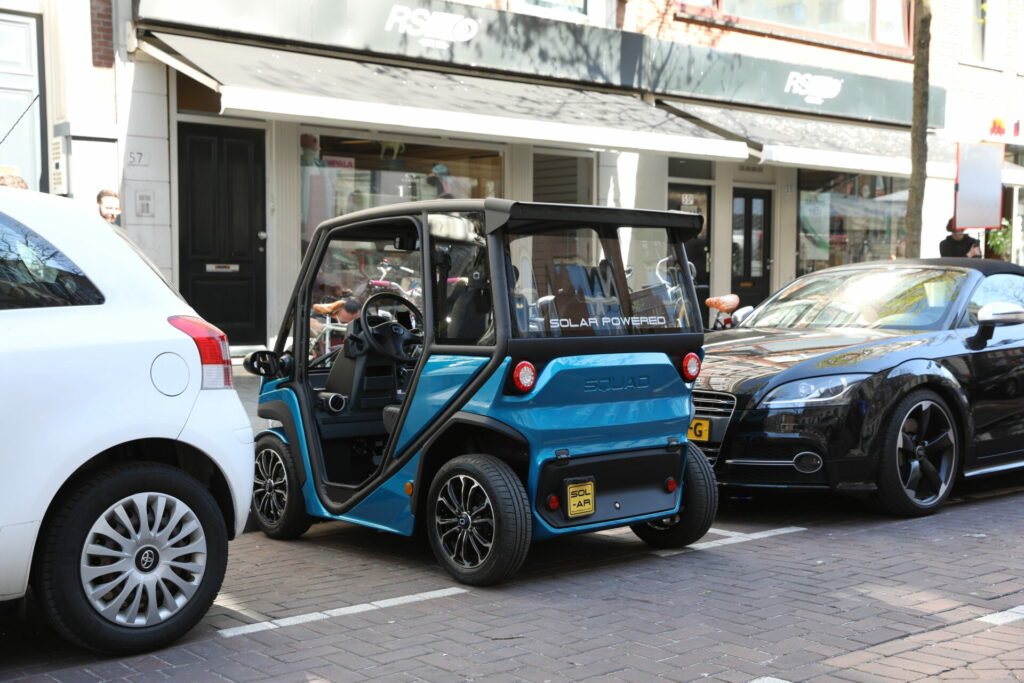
146,192
284,215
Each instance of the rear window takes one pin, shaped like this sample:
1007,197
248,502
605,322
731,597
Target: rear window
599,281
35,274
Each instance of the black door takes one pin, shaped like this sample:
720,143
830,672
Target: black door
223,228
998,398
751,244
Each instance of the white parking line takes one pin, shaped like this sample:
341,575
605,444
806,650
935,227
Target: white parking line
735,537
339,612
1007,617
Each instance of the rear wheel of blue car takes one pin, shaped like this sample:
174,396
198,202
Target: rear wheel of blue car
919,457
478,519
277,504
700,504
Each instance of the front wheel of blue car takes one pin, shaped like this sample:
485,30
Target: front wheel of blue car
700,504
478,519
277,504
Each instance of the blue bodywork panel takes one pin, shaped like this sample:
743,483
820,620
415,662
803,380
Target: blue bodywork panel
590,405
441,379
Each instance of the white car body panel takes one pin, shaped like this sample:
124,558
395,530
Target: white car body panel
78,379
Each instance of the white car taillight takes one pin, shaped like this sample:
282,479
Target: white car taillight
214,353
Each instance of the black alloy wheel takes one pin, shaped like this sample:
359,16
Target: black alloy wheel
920,459
277,504
478,519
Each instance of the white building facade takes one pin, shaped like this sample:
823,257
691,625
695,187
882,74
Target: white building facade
232,128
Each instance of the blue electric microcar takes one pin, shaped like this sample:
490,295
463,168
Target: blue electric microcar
490,372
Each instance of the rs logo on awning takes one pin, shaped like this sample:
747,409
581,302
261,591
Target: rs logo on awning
435,29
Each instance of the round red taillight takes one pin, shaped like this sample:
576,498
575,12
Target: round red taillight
524,376
691,367
671,484
553,502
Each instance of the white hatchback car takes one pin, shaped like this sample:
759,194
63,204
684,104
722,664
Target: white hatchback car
126,462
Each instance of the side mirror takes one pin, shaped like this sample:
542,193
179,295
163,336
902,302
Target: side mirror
989,317
1001,314
262,364
740,315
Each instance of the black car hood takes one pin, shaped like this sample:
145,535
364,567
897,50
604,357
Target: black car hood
746,361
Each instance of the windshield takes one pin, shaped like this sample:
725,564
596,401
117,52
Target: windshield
889,298
599,280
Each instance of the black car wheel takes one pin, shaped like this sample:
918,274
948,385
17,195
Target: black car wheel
920,457
700,504
277,503
132,559
478,519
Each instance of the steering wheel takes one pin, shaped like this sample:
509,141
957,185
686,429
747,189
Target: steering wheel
390,338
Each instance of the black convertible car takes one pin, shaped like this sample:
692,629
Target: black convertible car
887,380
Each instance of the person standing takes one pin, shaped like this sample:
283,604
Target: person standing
109,204
958,243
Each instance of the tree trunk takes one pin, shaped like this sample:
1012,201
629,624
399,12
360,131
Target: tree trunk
919,125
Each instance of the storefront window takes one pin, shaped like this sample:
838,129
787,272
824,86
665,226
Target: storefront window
341,175
880,21
849,218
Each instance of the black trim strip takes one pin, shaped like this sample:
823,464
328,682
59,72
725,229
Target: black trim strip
278,410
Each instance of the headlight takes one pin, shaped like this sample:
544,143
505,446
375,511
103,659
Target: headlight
832,390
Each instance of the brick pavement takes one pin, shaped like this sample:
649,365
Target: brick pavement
855,598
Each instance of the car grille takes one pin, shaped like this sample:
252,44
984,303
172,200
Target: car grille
712,405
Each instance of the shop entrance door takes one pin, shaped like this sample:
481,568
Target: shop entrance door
751,245
223,228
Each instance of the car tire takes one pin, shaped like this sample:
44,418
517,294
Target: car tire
699,507
164,571
916,471
478,519
277,504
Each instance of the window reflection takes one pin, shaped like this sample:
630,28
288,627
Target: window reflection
342,175
892,298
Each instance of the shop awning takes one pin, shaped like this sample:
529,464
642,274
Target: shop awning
279,84
818,144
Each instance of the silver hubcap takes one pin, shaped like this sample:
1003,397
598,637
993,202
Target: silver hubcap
270,486
143,560
927,453
464,519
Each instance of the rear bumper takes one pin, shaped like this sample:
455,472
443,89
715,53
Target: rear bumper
219,427
628,487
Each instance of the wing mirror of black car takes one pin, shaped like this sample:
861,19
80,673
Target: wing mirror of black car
992,315
740,314
262,363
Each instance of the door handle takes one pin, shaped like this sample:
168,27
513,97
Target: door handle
262,234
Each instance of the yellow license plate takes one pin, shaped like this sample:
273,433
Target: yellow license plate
700,430
581,499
